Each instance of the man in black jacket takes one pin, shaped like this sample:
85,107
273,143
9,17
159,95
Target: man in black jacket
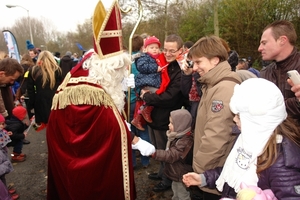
171,99
278,43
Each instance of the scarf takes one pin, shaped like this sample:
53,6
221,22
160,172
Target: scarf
182,120
173,135
165,79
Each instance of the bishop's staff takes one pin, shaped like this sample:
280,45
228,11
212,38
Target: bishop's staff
140,8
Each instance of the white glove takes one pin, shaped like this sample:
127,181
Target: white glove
144,147
128,125
130,81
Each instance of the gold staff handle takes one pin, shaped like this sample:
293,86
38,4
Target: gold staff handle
130,52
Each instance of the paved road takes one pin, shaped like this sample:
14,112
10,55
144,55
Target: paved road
30,177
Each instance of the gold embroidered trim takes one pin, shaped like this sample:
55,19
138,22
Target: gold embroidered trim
124,151
80,91
109,34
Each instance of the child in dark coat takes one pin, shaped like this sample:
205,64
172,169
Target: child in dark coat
150,66
178,153
17,128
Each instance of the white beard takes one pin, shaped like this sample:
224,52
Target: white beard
109,73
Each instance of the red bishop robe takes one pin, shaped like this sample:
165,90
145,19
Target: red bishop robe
89,145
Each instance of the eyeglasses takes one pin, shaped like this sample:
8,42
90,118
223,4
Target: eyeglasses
170,51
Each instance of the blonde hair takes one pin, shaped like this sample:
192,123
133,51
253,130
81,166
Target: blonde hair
3,55
287,128
48,66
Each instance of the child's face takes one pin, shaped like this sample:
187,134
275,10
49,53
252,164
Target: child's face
153,49
171,127
237,120
2,125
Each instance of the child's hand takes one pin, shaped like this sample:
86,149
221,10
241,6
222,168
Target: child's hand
9,133
27,122
159,69
191,178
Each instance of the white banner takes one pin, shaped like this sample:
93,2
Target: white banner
12,45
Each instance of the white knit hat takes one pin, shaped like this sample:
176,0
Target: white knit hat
257,97
261,108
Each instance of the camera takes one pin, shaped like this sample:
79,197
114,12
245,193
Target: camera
189,63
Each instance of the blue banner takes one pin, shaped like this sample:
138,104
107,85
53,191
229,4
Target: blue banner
80,47
12,45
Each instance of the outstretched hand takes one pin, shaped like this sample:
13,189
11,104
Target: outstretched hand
191,179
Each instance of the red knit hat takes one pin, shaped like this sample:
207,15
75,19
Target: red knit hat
2,118
19,112
151,40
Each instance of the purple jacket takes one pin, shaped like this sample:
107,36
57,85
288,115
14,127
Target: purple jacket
283,177
4,194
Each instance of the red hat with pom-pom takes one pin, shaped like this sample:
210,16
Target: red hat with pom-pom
152,40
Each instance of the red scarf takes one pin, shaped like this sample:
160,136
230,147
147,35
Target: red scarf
165,80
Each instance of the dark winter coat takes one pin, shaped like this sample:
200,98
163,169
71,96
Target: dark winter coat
276,72
148,75
17,127
40,98
171,99
24,79
283,177
66,64
178,158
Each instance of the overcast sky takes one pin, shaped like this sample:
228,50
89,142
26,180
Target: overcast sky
64,14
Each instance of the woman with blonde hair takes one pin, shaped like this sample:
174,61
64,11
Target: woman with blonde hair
43,80
3,55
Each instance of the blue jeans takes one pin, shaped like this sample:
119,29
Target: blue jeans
142,134
18,146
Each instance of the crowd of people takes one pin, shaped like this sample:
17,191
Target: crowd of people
214,122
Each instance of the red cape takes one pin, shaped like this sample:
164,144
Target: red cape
85,160
89,144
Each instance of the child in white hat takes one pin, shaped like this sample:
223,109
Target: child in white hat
266,153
